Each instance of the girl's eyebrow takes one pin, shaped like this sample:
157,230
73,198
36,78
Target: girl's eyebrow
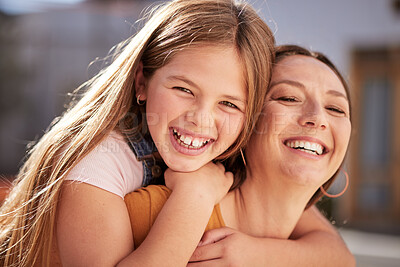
183,79
191,83
234,98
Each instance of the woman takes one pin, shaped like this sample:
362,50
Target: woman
298,146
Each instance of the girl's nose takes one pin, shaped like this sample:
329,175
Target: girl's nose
201,116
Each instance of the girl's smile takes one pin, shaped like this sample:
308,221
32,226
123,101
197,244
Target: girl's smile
189,143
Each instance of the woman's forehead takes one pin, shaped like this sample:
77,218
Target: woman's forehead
308,71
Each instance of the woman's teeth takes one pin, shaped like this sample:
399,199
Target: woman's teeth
309,147
188,141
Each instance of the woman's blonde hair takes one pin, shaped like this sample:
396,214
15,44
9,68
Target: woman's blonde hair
27,217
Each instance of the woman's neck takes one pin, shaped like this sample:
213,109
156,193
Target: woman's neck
264,207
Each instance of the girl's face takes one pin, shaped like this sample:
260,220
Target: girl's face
305,127
196,105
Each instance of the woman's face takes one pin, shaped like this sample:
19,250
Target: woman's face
195,105
305,127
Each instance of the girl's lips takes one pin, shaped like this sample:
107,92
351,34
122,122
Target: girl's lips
192,134
185,149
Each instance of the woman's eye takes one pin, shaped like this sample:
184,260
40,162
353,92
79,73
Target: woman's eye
229,104
287,99
183,89
336,110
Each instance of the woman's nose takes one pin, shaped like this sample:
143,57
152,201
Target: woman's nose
313,116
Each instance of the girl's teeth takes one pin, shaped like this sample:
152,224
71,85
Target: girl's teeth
188,140
196,142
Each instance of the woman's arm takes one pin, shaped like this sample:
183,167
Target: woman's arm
319,241
182,220
314,242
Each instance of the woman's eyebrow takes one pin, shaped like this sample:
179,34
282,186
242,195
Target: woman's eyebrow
290,82
337,93
300,85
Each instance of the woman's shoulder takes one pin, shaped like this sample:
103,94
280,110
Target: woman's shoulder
143,207
111,166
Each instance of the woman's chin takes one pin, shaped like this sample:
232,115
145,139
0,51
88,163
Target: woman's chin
304,177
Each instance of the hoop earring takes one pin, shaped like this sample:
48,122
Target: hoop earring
342,192
244,161
140,102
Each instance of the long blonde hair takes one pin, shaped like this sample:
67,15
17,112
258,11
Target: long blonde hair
27,217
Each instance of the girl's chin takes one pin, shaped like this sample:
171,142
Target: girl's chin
183,169
184,166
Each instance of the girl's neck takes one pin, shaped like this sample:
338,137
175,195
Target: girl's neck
264,207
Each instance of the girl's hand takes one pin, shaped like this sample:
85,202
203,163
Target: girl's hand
210,181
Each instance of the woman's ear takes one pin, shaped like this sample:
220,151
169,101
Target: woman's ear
140,82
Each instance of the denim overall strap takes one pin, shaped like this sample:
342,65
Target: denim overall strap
144,149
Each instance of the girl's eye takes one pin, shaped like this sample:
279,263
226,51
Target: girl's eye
183,89
336,110
229,104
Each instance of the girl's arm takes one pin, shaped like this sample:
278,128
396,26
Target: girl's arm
93,227
314,242
181,223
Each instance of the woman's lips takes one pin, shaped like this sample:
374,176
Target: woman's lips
306,145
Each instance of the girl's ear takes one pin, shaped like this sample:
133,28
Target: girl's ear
140,82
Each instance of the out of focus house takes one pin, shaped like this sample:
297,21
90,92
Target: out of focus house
45,52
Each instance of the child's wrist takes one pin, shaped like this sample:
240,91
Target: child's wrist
193,193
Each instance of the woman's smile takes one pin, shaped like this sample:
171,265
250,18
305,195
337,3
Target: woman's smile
303,144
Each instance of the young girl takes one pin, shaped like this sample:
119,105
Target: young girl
291,159
192,80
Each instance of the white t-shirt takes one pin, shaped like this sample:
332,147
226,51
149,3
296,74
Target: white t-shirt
111,166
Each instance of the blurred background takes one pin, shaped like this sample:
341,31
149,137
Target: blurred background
46,47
